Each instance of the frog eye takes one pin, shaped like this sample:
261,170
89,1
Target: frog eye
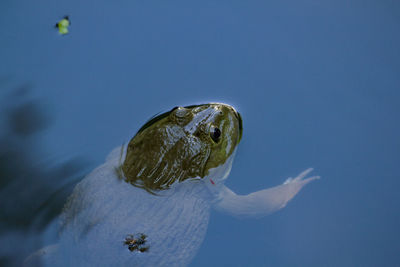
215,134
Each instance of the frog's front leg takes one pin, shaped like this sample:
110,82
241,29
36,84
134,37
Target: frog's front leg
262,202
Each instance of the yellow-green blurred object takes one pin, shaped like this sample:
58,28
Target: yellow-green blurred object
63,30
63,25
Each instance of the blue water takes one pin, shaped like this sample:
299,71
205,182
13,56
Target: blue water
317,84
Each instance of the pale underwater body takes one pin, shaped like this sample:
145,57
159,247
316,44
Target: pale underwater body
118,201
104,209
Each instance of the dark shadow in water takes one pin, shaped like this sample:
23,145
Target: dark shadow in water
32,189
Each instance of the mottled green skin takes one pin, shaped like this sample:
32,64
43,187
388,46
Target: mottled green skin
178,145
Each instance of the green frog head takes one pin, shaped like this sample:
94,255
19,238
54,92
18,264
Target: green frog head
183,143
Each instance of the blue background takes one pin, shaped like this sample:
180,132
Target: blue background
316,82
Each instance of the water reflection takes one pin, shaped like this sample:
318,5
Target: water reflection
32,194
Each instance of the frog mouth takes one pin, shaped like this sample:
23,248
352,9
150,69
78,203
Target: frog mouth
239,118
240,122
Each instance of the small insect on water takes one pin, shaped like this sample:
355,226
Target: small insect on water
136,242
63,25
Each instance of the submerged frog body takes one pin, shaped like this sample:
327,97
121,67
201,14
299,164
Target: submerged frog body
162,185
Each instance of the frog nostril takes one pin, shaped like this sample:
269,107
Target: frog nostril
181,112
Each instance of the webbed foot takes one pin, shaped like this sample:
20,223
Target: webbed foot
299,178
265,201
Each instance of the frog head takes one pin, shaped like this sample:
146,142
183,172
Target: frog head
192,142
